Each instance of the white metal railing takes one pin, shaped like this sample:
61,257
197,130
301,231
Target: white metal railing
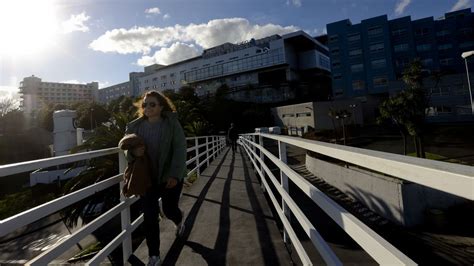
213,146
451,178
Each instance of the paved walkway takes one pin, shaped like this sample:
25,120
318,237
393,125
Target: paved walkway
228,221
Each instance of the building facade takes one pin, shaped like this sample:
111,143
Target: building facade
106,95
368,59
256,70
36,93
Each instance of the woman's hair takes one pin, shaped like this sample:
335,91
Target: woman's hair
165,103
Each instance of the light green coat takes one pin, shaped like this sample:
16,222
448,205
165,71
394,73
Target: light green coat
172,148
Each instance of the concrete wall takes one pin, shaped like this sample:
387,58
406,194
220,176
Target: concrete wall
401,202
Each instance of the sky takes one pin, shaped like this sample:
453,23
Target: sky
81,41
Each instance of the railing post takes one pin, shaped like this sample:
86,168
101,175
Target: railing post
125,214
196,142
207,150
214,145
260,142
284,185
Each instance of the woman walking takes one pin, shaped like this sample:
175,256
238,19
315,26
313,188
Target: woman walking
165,145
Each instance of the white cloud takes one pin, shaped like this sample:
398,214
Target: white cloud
401,5
73,81
104,84
461,4
166,16
296,3
154,11
10,92
76,23
316,31
176,52
205,35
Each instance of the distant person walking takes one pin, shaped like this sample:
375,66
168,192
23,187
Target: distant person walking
232,135
165,145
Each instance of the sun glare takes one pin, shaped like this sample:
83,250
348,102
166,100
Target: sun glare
27,27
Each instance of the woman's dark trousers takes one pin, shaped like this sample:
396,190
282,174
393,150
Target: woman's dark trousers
169,200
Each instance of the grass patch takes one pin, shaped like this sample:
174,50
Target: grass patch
27,199
87,252
192,178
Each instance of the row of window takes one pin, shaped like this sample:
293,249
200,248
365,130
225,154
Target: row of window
258,51
419,32
305,114
272,57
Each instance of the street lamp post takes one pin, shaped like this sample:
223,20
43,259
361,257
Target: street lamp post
465,55
92,110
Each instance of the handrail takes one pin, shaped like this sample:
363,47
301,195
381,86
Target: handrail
15,168
429,173
448,177
8,225
382,251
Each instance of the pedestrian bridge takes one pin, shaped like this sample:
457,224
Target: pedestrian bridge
248,207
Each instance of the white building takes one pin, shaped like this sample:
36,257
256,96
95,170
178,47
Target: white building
36,93
258,63
106,95
267,66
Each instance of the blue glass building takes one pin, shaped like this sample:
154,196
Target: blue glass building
367,59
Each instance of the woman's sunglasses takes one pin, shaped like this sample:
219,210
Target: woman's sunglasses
152,105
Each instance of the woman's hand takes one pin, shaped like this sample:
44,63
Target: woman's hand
172,182
138,151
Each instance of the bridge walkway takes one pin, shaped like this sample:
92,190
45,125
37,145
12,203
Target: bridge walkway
228,220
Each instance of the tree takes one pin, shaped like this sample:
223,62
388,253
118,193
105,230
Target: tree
91,115
392,110
407,108
123,104
7,105
45,115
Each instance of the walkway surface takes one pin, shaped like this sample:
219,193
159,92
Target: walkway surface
228,220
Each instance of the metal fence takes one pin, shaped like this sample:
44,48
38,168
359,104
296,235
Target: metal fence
201,151
447,177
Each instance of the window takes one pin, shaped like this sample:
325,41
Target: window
333,38
324,61
439,91
357,67
398,32
337,76
423,47
163,77
446,61
353,37
355,52
422,32
442,33
336,64
335,51
379,63
402,62
338,92
445,46
437,110
380,81
358,85
288,115
375,48
465,31
303,114
427,62
466,44
375,31
400,47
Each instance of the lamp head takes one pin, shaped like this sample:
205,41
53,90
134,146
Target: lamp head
467,54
